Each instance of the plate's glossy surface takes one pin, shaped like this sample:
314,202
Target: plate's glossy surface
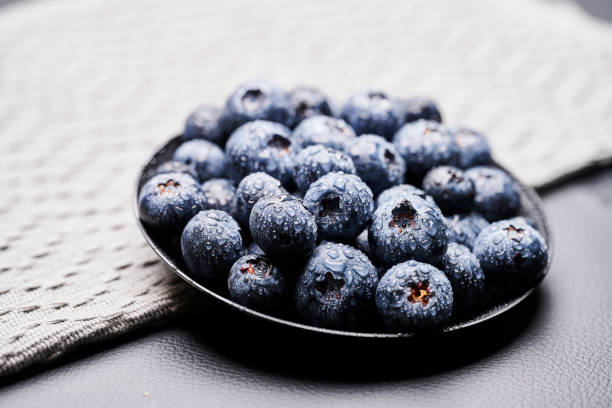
169,253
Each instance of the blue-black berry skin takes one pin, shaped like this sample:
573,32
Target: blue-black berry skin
173,166
377,162
373,112
452,190
414,297
220,194
255,282
316,161
261,146
464,228
361,242
421,108
283,228
203,123
496,195
337,287
467,279
168,201
307,102
259,99
251,189
407,228
211,243
254,249
512,253
207,158
423,145
474,149
342,204
401,191
325,130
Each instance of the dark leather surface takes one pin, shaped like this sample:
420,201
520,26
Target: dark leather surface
553,350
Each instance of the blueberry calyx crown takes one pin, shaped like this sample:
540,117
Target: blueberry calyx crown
330,286
252,100
455,176
378,97
404,215
420,292
256,266
280,142
330,205
304,109
515,234
169,186
389,157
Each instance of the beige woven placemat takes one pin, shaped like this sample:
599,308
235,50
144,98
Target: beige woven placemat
89,89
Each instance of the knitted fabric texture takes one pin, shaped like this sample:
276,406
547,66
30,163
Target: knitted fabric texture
89,89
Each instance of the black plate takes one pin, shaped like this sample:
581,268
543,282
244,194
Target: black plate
531,206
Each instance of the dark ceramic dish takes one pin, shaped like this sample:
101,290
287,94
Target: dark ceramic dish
169,252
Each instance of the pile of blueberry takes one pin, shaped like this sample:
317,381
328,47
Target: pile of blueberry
380,214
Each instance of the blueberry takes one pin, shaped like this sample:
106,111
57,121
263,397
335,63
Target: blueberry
315,161
414,296
401,191
423,145
203,123
256,100
211,243
407,228
497,197
452,190
175,167
421,108
252,188
474,148
169,200
463,229
373,112
331,132
463,270
307,102
283,228
512,253
261,146
256,283
377,162
342,205
254,249
207,158
337,287
220,195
